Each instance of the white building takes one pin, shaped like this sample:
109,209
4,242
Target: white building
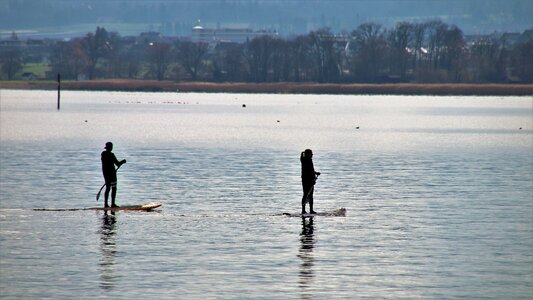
226,35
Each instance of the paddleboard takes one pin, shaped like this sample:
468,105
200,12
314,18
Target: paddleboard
142,207
146,207
339,212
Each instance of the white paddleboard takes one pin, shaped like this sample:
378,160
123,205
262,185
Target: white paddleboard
142,207
339,212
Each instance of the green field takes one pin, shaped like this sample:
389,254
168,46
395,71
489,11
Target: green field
79,30
38,69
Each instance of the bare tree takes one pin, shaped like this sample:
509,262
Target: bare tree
227,62
370,49
95,46
280,61
258,54
400,39
191,55
11,62
69,59
436,38
418,38
521,61
483,57
453,53
159,57
327,59
115,58
233,63
299,50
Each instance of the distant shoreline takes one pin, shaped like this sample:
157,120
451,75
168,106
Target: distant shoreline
444,89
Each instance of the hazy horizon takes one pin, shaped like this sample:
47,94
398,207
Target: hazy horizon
65,18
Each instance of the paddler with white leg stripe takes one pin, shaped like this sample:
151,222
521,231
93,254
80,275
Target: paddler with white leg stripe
109,160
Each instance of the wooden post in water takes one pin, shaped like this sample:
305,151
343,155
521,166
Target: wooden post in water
58,90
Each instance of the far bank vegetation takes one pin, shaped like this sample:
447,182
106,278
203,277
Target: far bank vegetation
430,52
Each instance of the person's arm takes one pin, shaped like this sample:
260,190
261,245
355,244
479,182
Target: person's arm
118,163
315,173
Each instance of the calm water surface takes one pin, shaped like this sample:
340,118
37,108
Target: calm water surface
438,191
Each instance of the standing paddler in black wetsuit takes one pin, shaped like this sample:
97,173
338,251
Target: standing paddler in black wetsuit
109,160
308,179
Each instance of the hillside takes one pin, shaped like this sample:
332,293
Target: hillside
176,18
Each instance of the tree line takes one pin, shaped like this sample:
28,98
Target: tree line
429,52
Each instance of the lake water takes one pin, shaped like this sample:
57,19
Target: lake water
438,191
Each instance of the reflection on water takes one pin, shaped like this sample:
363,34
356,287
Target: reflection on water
305,253
108,250
438,191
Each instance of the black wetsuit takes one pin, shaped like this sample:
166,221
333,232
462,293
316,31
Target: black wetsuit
109,160
308,181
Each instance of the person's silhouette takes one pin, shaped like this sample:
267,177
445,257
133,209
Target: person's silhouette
109,160
308,179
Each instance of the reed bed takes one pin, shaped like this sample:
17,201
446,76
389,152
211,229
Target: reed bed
279,88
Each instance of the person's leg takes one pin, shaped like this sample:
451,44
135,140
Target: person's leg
106,194
113,196
310,198
305,198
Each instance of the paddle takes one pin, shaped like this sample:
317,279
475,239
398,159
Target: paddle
100,191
